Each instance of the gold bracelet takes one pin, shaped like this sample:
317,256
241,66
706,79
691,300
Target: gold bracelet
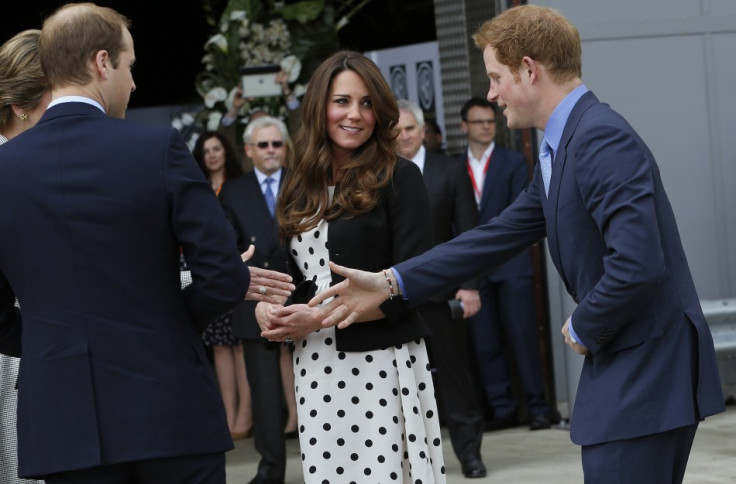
390,285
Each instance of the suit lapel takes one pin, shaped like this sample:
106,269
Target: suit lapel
550,202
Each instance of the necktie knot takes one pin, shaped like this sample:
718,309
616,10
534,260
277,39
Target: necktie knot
268,194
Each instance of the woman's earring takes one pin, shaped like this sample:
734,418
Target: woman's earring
23,116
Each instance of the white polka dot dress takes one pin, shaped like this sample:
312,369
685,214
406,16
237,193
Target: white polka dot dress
364,417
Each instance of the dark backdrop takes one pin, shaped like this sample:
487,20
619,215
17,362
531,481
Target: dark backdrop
169,37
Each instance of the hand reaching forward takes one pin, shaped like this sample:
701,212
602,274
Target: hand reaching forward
265,285
359,294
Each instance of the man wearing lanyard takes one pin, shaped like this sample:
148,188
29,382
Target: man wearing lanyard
507,317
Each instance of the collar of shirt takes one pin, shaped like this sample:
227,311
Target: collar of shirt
483,158
261,177
76,99
419,158
558,119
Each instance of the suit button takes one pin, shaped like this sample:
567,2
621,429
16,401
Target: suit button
252,238
265,264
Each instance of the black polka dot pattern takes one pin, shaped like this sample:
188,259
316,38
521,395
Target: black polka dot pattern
350,404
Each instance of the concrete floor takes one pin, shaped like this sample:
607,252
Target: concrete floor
519,456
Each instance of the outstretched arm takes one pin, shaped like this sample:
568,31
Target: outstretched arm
359,294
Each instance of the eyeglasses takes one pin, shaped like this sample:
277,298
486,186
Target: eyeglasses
264,144
482,121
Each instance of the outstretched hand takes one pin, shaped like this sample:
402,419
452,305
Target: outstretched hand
359,294
265,285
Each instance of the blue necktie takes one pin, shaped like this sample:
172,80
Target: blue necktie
545,163
270,199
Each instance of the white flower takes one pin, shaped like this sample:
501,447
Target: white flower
236,15
292,66
342,23
299,90
213,121
187,119
219,41
214,95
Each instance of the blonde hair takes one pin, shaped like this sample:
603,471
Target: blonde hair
22,82
541,33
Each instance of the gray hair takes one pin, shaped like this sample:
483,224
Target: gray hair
406,105
262,122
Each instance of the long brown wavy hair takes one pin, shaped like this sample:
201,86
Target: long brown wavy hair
303,198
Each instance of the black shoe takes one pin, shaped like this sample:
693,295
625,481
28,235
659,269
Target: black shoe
540,422
474,468
500,423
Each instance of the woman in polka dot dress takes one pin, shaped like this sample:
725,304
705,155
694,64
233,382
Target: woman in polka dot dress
367,412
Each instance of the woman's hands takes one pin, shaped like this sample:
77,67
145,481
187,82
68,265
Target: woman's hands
279,323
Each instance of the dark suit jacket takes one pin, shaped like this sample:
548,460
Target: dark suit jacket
245,207
451,202
113,367
396,229
506,178
613,238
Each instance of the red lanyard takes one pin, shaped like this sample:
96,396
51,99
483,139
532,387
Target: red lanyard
478,192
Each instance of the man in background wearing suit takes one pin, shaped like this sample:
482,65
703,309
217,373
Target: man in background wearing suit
506,326
248,202
453,211
114,384
650,373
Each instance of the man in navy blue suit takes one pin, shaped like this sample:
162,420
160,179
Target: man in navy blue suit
114,385
650,373
506,326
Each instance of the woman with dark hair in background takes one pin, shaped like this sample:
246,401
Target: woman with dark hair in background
216,158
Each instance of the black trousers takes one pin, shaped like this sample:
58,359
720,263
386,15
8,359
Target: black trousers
448,351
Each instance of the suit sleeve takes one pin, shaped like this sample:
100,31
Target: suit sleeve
477,251
219,277
614,175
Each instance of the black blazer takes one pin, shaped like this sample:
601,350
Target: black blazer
452,204
396,229
244,205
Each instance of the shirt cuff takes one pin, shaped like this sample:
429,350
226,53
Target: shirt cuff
573,334
400,283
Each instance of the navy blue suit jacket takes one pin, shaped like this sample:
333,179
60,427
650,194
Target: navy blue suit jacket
95,210
613,238
245,207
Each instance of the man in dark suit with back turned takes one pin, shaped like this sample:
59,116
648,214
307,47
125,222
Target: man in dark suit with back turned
249,207
650,373
453,210
114,384
506,325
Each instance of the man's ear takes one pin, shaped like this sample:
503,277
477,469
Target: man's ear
102,63
529,69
